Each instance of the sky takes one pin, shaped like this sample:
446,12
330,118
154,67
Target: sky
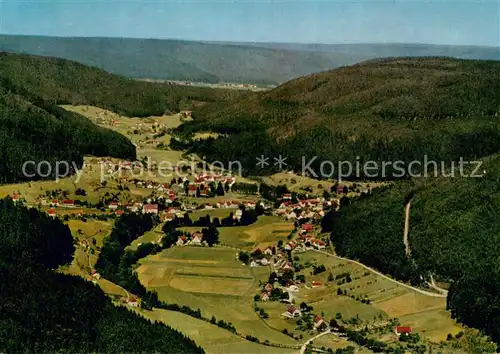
472,22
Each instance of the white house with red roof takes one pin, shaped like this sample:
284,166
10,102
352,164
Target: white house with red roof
287,196
196,240
264,297
52,212
268,287
68,203
291,312
181,241
403,330
192,190
316,284
150,209
113,205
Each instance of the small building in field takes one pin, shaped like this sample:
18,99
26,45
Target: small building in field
133,302
291,312
403,330
316,284
113,205
52,212
68,203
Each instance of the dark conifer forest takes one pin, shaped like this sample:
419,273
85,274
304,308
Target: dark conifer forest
45,311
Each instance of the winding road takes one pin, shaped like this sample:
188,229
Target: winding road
407,227
304,346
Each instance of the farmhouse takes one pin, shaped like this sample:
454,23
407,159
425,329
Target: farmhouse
196,240
316,284
264,297
133,302
287,196
319,324
306,228
113,205
403,330
192,191
150,209
291,312
52,212
268,251
268,287
68,203
181,241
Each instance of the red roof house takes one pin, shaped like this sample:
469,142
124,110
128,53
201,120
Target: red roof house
403,330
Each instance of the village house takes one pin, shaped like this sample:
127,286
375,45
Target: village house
150,209
181,241
196,239
238,214
316,284
119,212
52,212
68,203
264,261
268,287
133,302
287,196
318,244
192,191
306,228
113,205
264,297
291,312
293,288
319,323
403,330
268,251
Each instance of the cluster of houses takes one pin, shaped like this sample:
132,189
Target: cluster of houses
293,312
193,239
313,209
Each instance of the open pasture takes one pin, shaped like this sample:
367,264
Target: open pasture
213,339
266,231
211,279
427,315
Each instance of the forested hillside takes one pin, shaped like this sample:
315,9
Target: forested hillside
454,234
395,109
44,311
33,129
182,60
66,82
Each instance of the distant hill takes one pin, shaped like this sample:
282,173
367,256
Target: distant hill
394,109
67,82
181,60
390,50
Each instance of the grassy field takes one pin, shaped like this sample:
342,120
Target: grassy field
213,339
425,314
213,280
266,231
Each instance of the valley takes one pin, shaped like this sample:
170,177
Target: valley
213,279
153,221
